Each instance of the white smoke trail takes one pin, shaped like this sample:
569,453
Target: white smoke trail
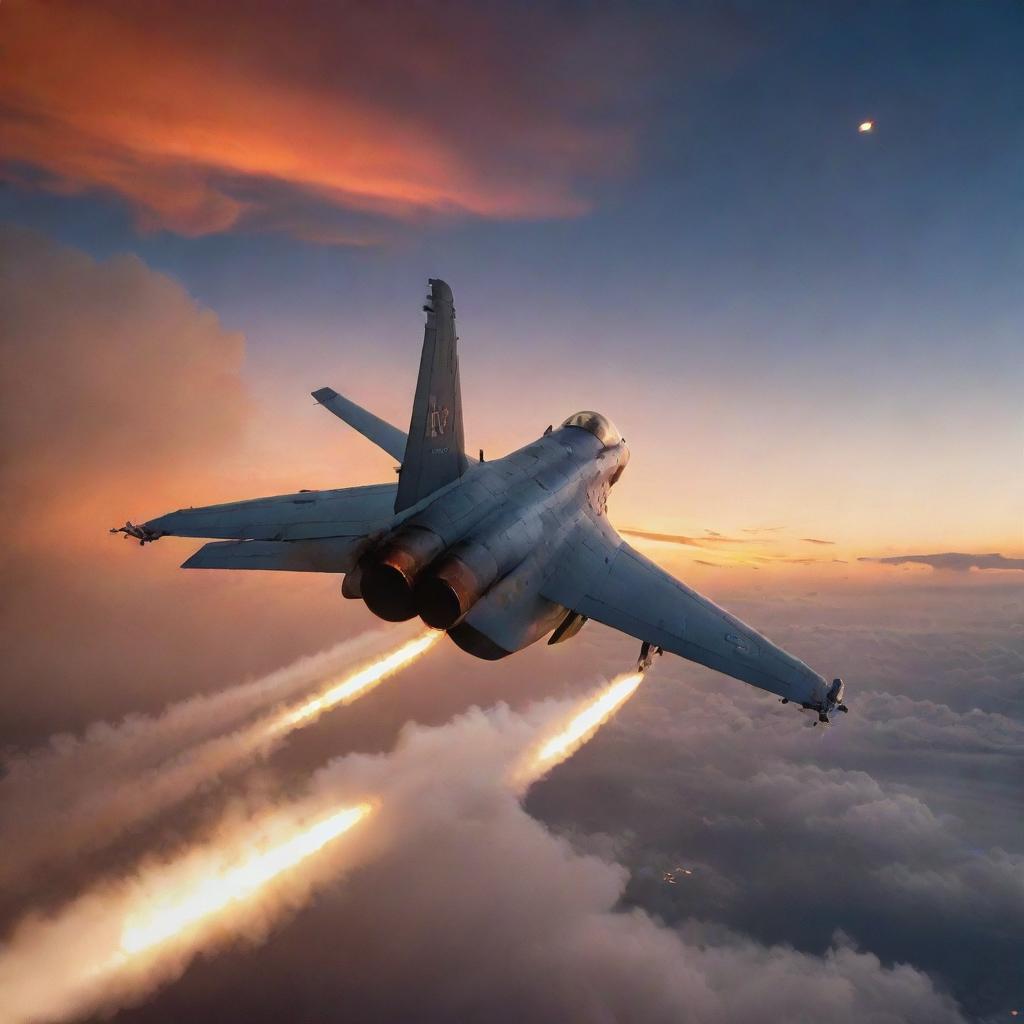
119,942
469,909
82,793
116,944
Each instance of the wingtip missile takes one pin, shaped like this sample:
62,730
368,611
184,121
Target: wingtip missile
646,657
140,533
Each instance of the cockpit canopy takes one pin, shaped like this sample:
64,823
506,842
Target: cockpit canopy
600,426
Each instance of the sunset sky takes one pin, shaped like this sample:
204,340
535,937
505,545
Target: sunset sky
668,215
809,335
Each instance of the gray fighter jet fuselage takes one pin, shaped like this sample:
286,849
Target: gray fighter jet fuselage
497,553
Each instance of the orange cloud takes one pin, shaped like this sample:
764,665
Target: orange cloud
196,113
121,394
125,398
119,387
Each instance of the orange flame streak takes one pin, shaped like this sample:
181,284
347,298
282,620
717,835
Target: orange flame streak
582,727
141,796
119,942
350,688
139,935
216,891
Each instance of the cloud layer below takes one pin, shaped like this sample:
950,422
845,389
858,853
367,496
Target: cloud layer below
467,908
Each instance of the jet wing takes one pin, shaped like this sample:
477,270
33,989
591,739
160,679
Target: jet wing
601,576
307,515
311,531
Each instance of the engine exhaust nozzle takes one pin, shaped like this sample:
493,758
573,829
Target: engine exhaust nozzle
390,570
447,593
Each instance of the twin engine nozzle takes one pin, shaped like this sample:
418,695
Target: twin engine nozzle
388,572
413,572
395,585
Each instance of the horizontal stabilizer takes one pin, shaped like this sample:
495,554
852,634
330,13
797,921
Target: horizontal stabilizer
334,555
382,434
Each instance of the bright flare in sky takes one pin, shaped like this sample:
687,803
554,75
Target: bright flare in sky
212,894
124,941
866,126
352,686
581,728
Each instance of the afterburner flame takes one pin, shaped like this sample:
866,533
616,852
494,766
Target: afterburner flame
176,779
581,728
213,893
120,941
352,686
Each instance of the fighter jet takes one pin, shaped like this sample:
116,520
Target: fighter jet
497,553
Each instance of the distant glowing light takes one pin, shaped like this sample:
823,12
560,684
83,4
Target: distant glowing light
866,126
672,877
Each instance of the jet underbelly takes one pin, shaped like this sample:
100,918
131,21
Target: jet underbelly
514,613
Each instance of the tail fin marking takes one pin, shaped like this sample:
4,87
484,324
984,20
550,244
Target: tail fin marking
435,449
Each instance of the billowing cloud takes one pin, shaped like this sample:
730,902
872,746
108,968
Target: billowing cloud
952,560
274,114
466,908
907,805
532,927
123,397
116,379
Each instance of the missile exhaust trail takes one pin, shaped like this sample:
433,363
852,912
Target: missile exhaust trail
110,808
351,687
570,735
118,942
217,892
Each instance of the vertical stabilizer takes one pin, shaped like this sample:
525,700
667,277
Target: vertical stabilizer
434,451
